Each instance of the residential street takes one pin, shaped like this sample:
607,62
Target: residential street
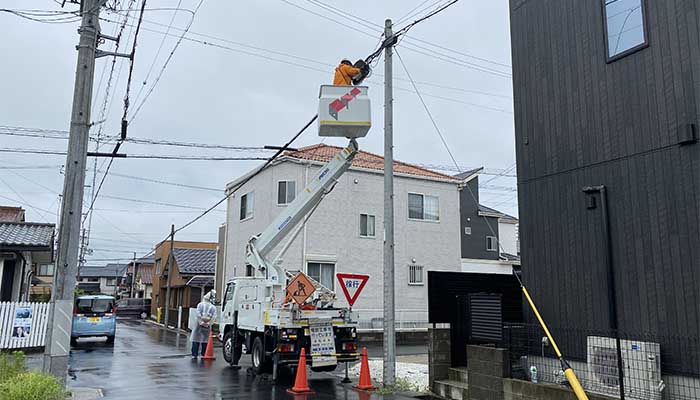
147,362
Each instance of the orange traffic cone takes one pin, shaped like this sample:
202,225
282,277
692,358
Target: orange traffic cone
301,384
365,382
209,353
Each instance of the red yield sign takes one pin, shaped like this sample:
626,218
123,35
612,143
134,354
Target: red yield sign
352,285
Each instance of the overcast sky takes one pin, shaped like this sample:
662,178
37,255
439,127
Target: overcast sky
231,94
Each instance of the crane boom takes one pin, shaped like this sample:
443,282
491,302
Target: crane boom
260,246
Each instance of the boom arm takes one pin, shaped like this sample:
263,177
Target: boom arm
260,246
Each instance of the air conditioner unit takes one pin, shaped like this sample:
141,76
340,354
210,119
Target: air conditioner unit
641,362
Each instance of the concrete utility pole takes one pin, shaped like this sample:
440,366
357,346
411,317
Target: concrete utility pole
389,328
170,263
133,276
60,320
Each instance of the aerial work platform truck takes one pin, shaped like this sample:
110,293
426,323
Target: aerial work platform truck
277,312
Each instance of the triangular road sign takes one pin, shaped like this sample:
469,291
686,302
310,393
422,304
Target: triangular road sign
352,285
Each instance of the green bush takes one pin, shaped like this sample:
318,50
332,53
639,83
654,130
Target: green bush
11,365
32,386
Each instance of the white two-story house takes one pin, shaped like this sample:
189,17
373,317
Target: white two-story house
345,233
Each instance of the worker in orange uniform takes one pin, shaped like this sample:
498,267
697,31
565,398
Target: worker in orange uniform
344,73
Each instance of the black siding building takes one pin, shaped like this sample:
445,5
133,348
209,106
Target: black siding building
610,96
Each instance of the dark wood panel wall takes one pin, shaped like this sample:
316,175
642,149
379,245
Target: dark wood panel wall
582,121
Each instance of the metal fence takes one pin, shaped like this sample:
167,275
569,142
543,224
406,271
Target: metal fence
654,367
23,325
404,320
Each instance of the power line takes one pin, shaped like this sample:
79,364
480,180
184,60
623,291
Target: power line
137,156
410,14
167,61
140,178
444,142
153,202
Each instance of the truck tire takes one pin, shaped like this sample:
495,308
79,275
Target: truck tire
232,347
261,363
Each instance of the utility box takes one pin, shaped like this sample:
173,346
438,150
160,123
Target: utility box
344,111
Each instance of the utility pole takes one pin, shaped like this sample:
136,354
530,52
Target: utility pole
389,328
60,319
133,277
170,266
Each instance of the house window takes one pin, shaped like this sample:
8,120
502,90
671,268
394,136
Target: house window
158,262
415,274
322,272
422,207
491,243
93,279
45,270
249,271
467,230
624,27
111,281
367,225
247,206
286,191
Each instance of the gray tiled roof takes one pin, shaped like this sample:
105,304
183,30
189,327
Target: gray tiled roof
484,209
467,174
195,261
24,234
108,271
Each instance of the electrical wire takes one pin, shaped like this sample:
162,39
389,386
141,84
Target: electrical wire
137,156
167,61
447,147
150,180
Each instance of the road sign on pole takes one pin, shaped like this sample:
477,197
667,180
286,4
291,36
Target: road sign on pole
352,285
300,288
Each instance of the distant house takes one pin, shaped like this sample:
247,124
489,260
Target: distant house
102,279
488,237
190,274
143,282
26,255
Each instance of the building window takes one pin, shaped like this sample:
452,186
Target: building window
93,279
247,201
286,192
422,207
322,273
468,230
111,281
491,243
45,270
158,262
415,274
624,27
367,225
249,271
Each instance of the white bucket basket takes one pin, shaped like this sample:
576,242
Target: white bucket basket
344,111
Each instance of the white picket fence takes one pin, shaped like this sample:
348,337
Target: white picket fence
9,322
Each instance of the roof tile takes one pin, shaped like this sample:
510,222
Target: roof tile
195,261
26,234
324,153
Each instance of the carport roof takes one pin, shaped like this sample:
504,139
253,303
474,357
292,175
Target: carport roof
25,236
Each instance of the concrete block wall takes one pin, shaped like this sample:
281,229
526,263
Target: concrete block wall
439,353
487,368
514,389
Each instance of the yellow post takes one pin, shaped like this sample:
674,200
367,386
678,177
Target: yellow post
568,371
159,311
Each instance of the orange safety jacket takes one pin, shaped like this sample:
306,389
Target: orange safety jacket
344,74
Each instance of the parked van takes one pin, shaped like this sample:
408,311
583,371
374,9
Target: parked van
133,308
94,315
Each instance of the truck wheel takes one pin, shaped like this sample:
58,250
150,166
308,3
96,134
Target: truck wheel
261,364
232,347
110,340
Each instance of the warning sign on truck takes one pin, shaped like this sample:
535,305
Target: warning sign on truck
300,288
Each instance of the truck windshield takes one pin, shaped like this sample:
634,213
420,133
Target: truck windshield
92,306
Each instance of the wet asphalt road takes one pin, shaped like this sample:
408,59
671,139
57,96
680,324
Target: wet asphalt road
147,362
